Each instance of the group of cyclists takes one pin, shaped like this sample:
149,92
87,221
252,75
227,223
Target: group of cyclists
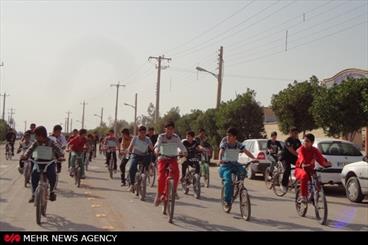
163,149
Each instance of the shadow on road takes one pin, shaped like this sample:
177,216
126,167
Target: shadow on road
8,227
180,203
97,178
58,223
72,194
2,199
280,225
3,178
194,224
210,199
341,225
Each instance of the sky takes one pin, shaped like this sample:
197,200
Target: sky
57,54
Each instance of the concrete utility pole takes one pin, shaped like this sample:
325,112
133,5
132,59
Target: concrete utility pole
118,85
159,67
135,112
5,95
25,126
84,107
11,119
100,116
67,122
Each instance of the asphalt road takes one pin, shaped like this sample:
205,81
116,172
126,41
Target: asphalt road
102,204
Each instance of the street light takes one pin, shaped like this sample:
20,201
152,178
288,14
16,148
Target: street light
219,82
135,113
198,68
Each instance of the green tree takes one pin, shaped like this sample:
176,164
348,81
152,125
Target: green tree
342,109
243,113
172,115
292,106
149,119
188,122
207,121
3,129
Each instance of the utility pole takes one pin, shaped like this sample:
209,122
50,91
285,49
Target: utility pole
67,122
118,85
135,113
71,124
220,76
25,126
159,67
11,120
5,95
1,65
84,107
100,116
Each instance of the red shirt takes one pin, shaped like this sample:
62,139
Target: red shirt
309,156
77,143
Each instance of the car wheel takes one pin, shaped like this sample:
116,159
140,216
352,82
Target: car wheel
353,191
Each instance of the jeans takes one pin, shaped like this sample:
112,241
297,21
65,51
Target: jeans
144,159
50,173
193,164
225,172
77,156
123,163
108,156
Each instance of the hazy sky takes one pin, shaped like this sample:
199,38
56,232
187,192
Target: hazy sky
58,53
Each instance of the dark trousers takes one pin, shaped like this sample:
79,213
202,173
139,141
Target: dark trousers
12,147
194,165
287,171
145,160
108,156
50,173
123,163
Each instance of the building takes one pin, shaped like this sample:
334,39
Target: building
344,75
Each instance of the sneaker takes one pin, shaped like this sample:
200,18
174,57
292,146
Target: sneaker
283,188
131,188
227,206
20,170
157,201
123,184
71,172
32,199
52,196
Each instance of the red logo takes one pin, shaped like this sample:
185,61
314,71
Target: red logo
10,238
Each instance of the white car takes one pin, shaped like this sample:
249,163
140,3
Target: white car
354,177
258,147
339,153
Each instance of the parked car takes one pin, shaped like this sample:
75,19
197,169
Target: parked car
340,153
354,177
258,147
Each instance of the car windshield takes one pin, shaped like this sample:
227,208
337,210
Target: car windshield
262,145
337,148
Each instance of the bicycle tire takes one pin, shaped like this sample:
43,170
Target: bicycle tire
227,210
27,174
207,175
111,169
301,208
38,205
184,185
143,186
152,175
197,186
320,198
171,200
276,184
268,178
137,184
244,202
44,203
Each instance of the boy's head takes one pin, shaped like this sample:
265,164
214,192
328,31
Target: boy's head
151,131
274,135
90,136
40,133
190,135
27,136
33,127
169,128
142,131
57,130
232,134
111,132
294,132
202,132
308,140
75,132
83,132
125,132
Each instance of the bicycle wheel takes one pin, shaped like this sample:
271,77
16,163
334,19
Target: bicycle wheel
320,207
152,175
77,175
27,174
245,208
185,185
38,204
171,200
197,186
268,178
301,208
44,203
206,175
137,184
226,209
111,169
276,184
143,186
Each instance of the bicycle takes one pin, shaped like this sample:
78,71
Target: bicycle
205,170
238,190
8,152
316,197
41,192
78,169
86,160
140,184
111,164
27,172
170,194
274,181
151,174
192,178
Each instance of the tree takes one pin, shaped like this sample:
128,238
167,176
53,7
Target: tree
172,115
292,106
243,113
3,129
342,109
188,122
208,121
148,120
